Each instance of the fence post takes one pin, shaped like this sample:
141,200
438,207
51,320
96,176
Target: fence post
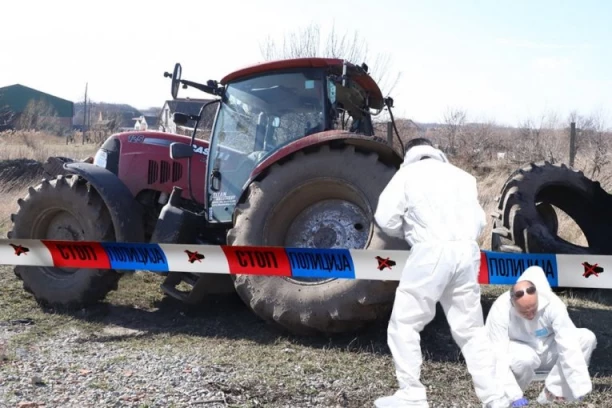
572,147
390,133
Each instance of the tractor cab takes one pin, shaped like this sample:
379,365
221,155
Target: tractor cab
265,107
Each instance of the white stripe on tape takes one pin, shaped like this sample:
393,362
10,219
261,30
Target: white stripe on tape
585,271
379,265
26,252
195,258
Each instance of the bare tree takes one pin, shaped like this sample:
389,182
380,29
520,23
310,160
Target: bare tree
600,157
6,117
454,120
595,141
553,145
477,142
306,42
38,115
530,131
584,125
528,146
539,139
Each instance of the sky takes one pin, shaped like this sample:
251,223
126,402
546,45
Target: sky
505,61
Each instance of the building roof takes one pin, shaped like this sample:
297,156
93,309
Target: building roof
17,97
152,121
192,107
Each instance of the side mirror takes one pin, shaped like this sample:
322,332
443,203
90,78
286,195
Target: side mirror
180,151
276,122
176,78
180,118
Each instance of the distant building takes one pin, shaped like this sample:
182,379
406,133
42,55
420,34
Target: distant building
15,99
189,107
145,122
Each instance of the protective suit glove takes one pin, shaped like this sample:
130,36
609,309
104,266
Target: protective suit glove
520,402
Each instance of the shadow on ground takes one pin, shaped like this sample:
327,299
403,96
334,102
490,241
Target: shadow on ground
228,318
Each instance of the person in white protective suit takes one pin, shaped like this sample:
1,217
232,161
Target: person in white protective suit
434,206
531,330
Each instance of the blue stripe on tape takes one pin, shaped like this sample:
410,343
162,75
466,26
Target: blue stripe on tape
506,268
321,263
132,256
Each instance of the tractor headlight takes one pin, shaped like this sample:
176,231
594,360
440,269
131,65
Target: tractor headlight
107,155
101,158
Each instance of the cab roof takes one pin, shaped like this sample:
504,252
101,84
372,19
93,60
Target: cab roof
363,79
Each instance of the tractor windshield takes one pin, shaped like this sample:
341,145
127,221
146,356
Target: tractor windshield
257,116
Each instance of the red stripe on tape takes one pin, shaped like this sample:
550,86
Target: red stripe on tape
257,260
483,273
67,254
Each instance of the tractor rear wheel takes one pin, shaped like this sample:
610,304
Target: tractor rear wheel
526,221
324,199
64,208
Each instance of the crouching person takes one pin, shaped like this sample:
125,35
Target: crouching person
531,331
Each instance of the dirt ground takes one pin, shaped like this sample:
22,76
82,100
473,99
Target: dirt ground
140,349
128,350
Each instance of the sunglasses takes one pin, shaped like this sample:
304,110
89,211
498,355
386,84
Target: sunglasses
519,293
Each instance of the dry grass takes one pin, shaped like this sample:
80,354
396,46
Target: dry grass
8,205
490,183
267,366
39,146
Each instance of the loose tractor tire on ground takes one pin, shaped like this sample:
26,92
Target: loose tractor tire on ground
526,220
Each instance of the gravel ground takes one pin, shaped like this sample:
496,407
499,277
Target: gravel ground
115,369
142,350
72,370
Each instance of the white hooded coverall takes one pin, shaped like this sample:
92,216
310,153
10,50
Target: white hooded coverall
550,341
434,206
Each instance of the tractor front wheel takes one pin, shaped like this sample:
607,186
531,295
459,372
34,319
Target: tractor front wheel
324,199
64,208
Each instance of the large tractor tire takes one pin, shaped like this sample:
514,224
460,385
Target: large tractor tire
324,199
525,220
64,208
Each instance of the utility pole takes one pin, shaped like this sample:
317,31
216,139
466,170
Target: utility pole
89,114
84,114
572,151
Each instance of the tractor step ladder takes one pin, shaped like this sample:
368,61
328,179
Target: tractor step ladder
169,286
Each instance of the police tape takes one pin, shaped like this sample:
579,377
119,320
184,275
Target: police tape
496,268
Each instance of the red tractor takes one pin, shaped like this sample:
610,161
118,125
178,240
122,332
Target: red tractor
292,161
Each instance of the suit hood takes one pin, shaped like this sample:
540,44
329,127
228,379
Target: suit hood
418,152
536,275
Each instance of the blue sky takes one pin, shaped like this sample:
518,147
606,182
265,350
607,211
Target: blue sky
503,61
